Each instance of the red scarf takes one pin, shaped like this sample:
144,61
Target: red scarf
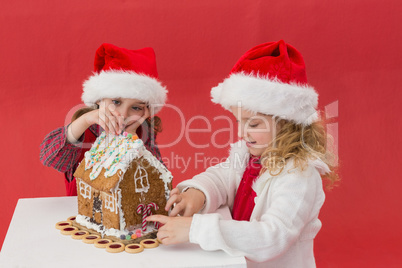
244,201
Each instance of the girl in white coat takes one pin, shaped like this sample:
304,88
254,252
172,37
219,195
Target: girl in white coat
271,180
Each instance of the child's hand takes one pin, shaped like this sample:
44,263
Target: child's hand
185,204
107,117
174,230
132,127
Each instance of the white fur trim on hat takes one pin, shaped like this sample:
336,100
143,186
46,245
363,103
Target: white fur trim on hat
292,102
124,84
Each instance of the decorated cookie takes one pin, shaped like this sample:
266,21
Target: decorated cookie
68,230
115,247
102,243
90,239
79,234
72,218
149,243
63,224
134,248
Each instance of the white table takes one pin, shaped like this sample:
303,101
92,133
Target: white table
33,241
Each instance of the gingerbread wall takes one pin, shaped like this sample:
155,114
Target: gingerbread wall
352,52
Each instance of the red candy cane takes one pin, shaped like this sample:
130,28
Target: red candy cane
149,212
140,211
146,211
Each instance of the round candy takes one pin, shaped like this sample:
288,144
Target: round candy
133,236
122,237
130,233
138,232
128,237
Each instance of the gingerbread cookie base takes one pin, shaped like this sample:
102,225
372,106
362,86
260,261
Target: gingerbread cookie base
151,235
110,243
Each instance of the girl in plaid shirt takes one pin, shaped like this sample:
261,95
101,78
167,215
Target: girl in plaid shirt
121,95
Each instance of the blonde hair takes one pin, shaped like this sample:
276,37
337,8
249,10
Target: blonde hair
300,143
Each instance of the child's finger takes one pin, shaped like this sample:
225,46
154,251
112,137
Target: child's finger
111,108
144,116
158,218
122,125
102,123
119,120
113,126
147,113
172,200
103,116
178,208
174,191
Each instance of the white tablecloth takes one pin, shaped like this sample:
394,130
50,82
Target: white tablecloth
33,241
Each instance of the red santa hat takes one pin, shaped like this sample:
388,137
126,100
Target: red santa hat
270,79
123,73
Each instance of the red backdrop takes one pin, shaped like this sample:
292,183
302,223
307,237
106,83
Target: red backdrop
352,52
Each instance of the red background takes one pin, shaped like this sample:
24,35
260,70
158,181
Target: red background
352,53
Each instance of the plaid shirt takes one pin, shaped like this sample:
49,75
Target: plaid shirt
58,153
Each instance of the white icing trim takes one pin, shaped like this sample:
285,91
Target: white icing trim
85,221
141,179
84,189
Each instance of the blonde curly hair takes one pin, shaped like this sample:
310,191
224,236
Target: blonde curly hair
300,143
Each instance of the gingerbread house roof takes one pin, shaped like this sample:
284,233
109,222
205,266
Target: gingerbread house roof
105,164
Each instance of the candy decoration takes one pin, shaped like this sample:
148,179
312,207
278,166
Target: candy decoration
122,237
133,236
128,237
109,152
146,211
138,233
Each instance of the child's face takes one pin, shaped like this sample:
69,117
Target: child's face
257,130
130,109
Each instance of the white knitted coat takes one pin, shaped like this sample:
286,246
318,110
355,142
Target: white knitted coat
283,223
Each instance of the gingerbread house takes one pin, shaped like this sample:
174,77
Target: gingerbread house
119,184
